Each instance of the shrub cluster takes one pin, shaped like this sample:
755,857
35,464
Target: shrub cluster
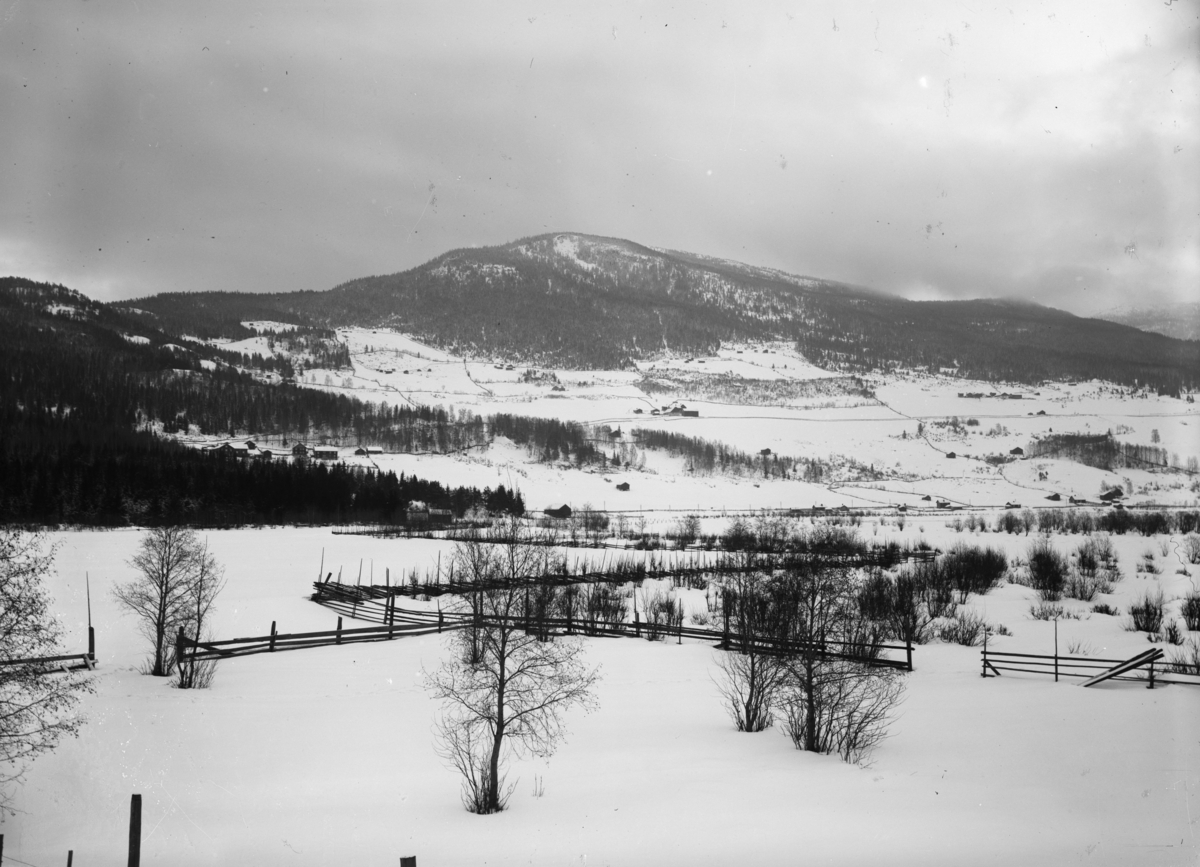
1048,569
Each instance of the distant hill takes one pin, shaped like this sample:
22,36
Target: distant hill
584,301
1180,320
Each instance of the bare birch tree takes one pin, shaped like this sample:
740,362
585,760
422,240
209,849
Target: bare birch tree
504,692
172,564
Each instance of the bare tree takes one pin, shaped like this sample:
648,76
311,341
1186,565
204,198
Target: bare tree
173,565
198,673
753,671
831,704
503,691
36,707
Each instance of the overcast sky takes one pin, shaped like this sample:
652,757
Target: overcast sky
1048,151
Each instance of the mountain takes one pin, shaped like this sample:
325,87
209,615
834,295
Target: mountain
1180,320
583,301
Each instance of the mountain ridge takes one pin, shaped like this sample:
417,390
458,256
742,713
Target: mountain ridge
573,300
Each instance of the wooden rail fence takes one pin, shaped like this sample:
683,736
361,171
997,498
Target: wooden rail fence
396,622
1088,668
63,663
385,611
189,649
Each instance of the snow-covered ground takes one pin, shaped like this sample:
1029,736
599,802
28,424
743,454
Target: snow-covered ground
905,432
325,756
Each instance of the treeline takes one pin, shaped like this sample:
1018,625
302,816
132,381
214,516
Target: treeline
137,478
1098,450
1145,522
550,440
706,457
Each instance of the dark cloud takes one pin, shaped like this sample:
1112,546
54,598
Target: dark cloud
932,150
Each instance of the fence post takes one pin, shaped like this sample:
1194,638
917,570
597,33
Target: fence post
338,638
272,636
982,673
70,857
1151,686
92,643
1056,650
908,649
135,831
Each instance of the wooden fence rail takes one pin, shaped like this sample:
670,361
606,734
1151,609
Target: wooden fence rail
396,622
188,648
386,611
64,662
994,662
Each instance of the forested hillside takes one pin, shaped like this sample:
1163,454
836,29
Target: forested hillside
580,301
82,386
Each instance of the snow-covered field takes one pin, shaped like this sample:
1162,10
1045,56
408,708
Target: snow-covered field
326,755
880,432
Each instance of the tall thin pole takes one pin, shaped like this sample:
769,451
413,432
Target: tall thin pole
91,632
135,831
321,571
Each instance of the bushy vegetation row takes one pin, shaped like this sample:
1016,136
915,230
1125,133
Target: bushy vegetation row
1083,521
727,388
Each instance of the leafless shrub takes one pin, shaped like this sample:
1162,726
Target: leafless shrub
749,682
1187,660
842,707
1189,609
965,628
1146,614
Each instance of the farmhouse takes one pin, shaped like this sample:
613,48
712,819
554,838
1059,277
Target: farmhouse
299,450
368,450
1018,451
563,511
238,450
325,453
